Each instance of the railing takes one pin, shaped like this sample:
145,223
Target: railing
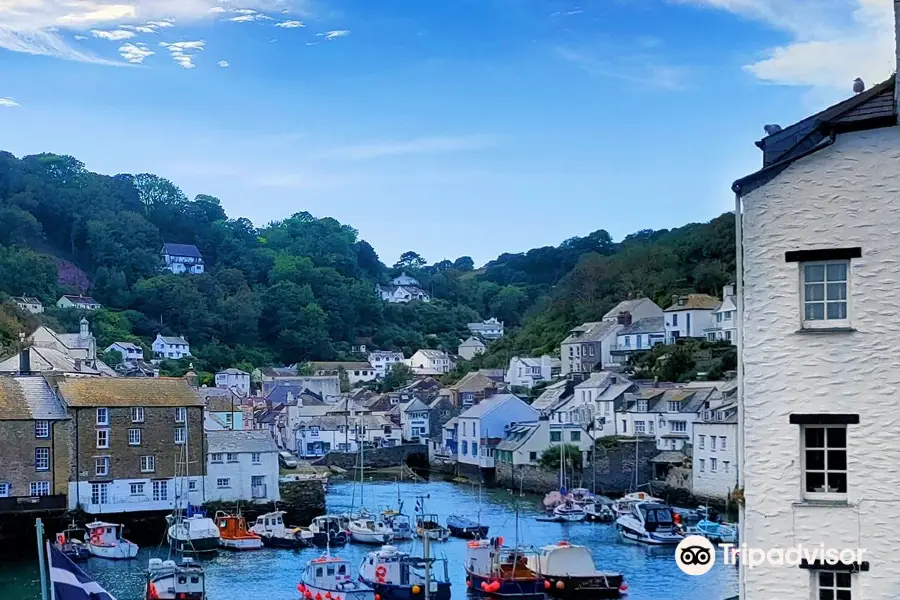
32,503
258,492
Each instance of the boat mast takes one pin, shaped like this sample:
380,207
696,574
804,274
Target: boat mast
426,551
362,464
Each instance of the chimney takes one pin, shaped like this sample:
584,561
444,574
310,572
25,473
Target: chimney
25,361
85,329
78,365
728,290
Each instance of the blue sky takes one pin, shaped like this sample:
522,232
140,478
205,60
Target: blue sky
449,127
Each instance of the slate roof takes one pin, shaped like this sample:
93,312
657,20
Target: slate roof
517,436
645,325
75,299
473,382
128,391
453,422
177,339
223,404
416,405
348,366
590,332
871,109
268,415
433,354
280,394
233,372
487,405
240,441
26,300
625,306
29,397
472,342
189,250
334,423
126,345
552,394
695,302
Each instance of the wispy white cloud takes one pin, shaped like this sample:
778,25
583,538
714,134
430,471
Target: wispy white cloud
834,41
46,43
116,35
163,24
223,64
135,53
81,37
8,103
290,24
250,17
337,33
636,68
180,52
139,28
425,145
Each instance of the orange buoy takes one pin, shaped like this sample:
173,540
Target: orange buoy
546,585
416,589
377,596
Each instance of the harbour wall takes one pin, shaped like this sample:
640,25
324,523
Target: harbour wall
414,455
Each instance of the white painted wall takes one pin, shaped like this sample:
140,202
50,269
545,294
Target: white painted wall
842,196
714,479
235,381
239,474
120,498
677,321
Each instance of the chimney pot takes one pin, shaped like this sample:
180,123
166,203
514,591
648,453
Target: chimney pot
25,361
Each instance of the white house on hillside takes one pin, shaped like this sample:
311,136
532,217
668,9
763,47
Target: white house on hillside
383,361
471,348
668,415
489,329
818,258
234,379
415,420
29,304
715,467
170,347
82,302
638,336
482,427
527,371
241,466
357,372
604,391
402,288
690,316
725,326
430,362
182,258
131,353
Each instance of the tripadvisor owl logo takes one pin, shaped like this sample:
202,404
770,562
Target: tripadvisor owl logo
695,555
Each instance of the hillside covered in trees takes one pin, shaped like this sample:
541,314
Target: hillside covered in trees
303,288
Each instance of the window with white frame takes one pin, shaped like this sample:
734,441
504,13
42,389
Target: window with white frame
99,493
231,457
673,406
701,441
137,414
678,426
192,485
642,406
639,427
137,489
223,482
255,458
833,585
103,438
160,490
216,457
725,465
713,465
702,465
824,461
723,441
712,443
5,488
42,459
102,416
134,437
180,414
101,466
650,426
179,435
39,488
824,291
42,429
148,464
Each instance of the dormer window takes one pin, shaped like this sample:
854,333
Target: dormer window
642,406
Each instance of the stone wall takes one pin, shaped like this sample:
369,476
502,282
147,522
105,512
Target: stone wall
18,462
611,473
377,458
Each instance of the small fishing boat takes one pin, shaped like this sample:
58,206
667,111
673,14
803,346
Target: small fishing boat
104,540
623,505
496,571
396,575
330,577
569,511
569,573
430,526
399,524
73,548
196,534
599,512
466,528
369,531
168,580
233,533
328,530
649,523
717,532
274,533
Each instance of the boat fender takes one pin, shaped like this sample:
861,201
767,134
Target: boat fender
327,595
623,589
307,594
484,585
546,585
318,595
468,582
560,585
495,586
416,589
152,594
377,596
96,539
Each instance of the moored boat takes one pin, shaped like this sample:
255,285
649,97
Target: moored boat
581,496
396,575
399,524
430,526
569,511
717,532
274,533
463,527
196,534
168,580
623,505
330,577
369,531
649,523
599,512
328,530
569,573
233,533
71,546
496,571
104,540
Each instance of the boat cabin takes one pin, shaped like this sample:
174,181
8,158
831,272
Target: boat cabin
183,581
489,559
563,559
103,534
270,523
232,526
328,572
655,517
427,522
328,523
393,567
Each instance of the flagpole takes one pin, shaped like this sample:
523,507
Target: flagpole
51,586
39,532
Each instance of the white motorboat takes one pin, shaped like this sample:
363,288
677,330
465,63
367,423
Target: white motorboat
370,531
275,534
397,575
649,523
196,534
331,577
623,505
571,573
104,540
581,496
399,524
168,580
569,511
599,512
329,530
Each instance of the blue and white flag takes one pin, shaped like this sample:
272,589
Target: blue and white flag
70,582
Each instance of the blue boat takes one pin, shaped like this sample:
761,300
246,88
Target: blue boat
396,575
465,528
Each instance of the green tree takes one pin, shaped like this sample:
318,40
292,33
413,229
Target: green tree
305,369
344,378
410,260
551,457
111,357
399,375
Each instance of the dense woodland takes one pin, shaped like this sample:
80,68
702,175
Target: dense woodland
303,288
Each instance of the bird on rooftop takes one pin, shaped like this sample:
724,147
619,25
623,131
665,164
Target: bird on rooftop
858,85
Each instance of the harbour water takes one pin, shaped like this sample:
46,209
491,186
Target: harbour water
651,573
